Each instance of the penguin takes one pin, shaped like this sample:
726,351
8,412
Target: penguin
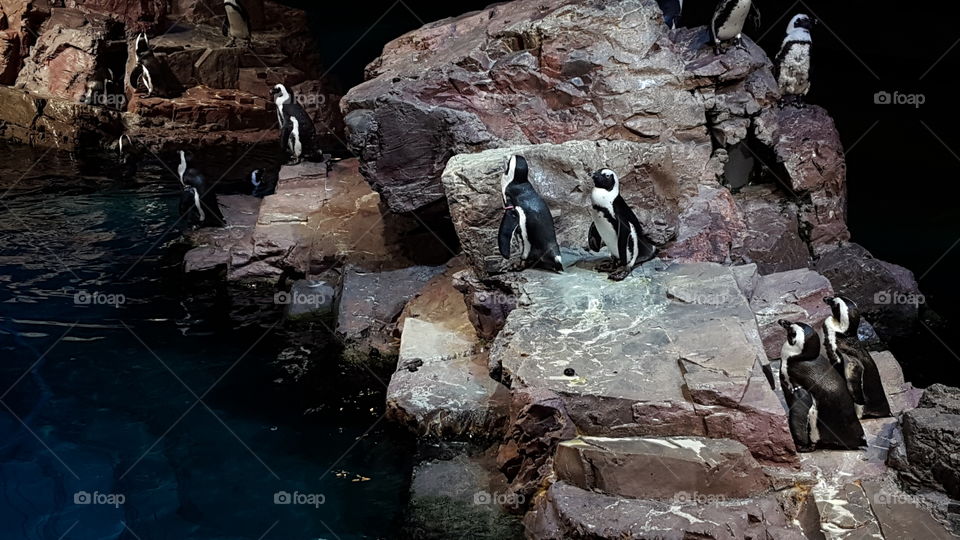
852,360
616,226
198,201
237,22
792,64
130,156
263,186
526,215
820,410
728,20
671,12
153,72
297,132
182,166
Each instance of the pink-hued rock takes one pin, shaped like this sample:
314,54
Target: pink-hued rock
137,15
9,56
710,228
796,296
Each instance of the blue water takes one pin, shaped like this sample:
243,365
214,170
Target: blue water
152,411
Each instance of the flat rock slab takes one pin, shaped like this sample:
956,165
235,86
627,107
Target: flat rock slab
565,512
660,468
674,350
797,296
214,246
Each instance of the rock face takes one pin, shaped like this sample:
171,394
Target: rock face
527,72
887,294
660,468
796,296
931,436
672,351
31,119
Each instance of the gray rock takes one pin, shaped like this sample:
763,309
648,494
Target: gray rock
901,515
772,238
660,468
309,298
672,351
796,296
931,436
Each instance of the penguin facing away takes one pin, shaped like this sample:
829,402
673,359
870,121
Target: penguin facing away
527,216
728,21
237,22
263,186
820,410
153,73
297,132
204,202
792,64
852,360
616,226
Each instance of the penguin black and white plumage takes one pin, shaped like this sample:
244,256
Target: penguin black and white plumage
672,10
237,22
527,216
792,64
820,411
297,132
616,226
130,155
728,21
183,166
852,360
153,73
198,201
263,185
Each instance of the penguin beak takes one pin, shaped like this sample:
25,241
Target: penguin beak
828,300
784,323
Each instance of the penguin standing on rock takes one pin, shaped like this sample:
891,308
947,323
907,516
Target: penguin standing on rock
615,225
792,64
297,132
728,21
153,73
237,22
821,412
852,360
526,215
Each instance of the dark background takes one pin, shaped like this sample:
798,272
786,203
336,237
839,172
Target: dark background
901,160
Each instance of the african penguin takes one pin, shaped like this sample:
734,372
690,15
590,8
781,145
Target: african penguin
671,12
153,72
727,23
526,215
820,410
237,22
263,186
616,226
792,64
198,201
297,133
130,155
852,360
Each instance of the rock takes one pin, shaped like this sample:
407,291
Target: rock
901,515
136,15
370,303
931,437
654,178
710,228
901,395
321,100
488,302
214,247
529,73
807,144
660,468
796,296
54,123
672,351
9,57
441,388
309,299
886,294
566,512
772,237
458,498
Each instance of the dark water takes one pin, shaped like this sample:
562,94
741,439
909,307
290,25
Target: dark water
153,392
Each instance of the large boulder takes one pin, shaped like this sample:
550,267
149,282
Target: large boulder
137,15
931,436
672,351
51,122
526,72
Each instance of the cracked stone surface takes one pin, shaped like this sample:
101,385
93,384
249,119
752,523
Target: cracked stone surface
674,350
797,296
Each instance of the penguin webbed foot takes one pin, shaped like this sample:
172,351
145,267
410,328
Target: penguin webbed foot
621,274
738,43
608,266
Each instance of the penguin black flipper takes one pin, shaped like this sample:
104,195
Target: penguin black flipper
627,219
135,76
225,29
865,379
594,241
801,403
508,227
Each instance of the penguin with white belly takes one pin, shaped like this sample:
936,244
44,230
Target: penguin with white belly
728,21
821,413
526,215
792,64
852,360
616,226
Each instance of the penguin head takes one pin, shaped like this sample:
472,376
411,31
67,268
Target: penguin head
142,45
280,91
801,21
803,343
517,171
607,180
845,315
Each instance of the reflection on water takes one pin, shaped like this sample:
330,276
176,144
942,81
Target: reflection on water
133,406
